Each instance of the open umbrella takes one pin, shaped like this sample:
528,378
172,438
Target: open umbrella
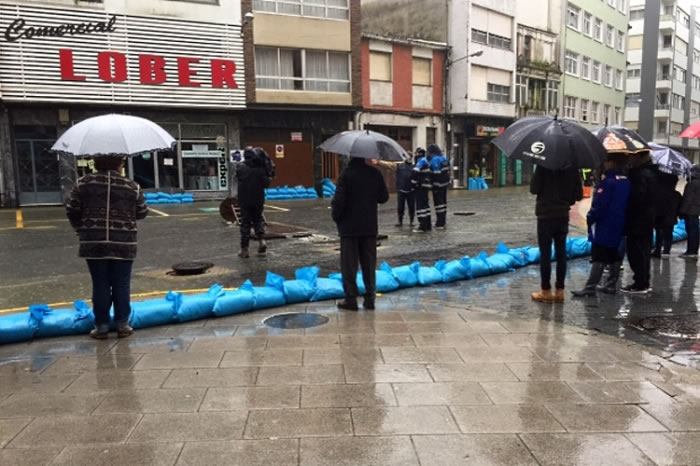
670,161
365,144
551,143
113,135
619,139
692,131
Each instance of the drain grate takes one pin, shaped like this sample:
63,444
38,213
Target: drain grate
685,326
191,268
296,320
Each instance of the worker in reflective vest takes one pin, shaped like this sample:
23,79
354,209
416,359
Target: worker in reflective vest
440,177
422,183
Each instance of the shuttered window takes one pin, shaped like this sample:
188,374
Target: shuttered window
380,66
422,71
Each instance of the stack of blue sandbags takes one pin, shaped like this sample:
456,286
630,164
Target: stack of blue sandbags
165,198
286,193
477,184
307,285
328,188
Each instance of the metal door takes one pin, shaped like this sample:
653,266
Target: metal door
38,170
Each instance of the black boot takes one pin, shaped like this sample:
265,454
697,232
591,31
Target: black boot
593,279
610,284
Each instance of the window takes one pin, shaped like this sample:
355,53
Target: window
584,110
611,3
521,90
632,100
662,101
594,112
684,20
570,107
665,73
678,102
595,72
679,74
620,43
697,30
661,128
694,108
585,67
610,36
696,56
634,73
618,80
668,41
636,14
607,76
479,36
598,29
618,116
571,63
498,93
380,66
422,71
293,69
499,41
606,115
681,46
587,24
621,6
332,9
553,94
572,16
696,83
668,9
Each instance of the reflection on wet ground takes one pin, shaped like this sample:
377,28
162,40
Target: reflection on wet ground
470,373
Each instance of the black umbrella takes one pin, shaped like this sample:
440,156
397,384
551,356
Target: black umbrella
551,143
365,144
619,139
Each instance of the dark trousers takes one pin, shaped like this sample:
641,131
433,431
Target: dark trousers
693,231
360,250
440,203
423,209
407,199
639,256
548,231
251,216
111,285
664,239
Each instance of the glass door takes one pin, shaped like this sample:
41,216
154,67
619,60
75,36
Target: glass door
38,170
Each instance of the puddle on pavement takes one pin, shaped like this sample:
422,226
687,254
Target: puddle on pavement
296,320
686,327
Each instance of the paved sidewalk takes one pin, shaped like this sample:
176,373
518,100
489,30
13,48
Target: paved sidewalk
426,379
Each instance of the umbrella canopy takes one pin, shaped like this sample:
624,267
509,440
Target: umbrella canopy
365,144
692,131
670,161
113,135
619,139
551,143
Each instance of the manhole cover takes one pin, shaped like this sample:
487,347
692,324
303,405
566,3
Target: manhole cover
191,268
686,326
296,320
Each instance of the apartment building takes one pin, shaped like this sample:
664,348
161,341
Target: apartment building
177,63
594,40
674,102
302,81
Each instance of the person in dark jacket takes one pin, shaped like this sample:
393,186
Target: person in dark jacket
103,208
690,210
252,178
423,184
666,204
440,178
359,190
406,195
639,221
556,192
606,224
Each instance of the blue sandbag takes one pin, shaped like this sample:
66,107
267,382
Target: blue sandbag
153,312
429,276
385,279
407,275
303,288
15,328
270,295
577,247
60,322
531,254
456,270
199,306
328,288
519,255
480,267
679,232
234,302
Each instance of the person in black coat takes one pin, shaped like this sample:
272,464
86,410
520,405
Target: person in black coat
359,190
639,221
666,204
252,179
405,191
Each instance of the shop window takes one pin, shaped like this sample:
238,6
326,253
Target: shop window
422,71
204,167
379,66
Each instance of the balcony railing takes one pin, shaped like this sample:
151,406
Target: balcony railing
663,106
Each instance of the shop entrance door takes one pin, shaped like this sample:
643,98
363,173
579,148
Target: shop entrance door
39,179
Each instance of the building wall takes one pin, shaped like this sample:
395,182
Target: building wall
541,14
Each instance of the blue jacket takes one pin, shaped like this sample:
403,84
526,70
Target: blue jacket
440,169
404,175
606,219
422,174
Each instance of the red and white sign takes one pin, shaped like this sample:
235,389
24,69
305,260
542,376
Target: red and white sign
82,56
297,136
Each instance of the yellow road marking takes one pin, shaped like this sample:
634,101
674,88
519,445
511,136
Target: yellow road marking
274,207
19,218
47,227
162,214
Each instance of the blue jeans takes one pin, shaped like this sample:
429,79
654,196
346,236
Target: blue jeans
111,285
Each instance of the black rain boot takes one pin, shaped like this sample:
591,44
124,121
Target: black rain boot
593,279
610,285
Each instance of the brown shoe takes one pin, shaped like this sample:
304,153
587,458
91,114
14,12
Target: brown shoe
559,295
125,331
243,253
544,296
262,248
98,335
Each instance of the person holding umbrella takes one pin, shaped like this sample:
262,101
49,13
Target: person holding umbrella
690,210
666,204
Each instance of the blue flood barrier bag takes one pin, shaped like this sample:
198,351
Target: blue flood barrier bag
328,288
456,270
198,306
153,312
386,281
679,232
234,302
59,322
519,254
500,263
407,275
429,275
577,247
303,288
270,295
532,254
480,267
15,328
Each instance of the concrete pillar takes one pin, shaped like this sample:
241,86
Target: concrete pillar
650,53
689,72
8,191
